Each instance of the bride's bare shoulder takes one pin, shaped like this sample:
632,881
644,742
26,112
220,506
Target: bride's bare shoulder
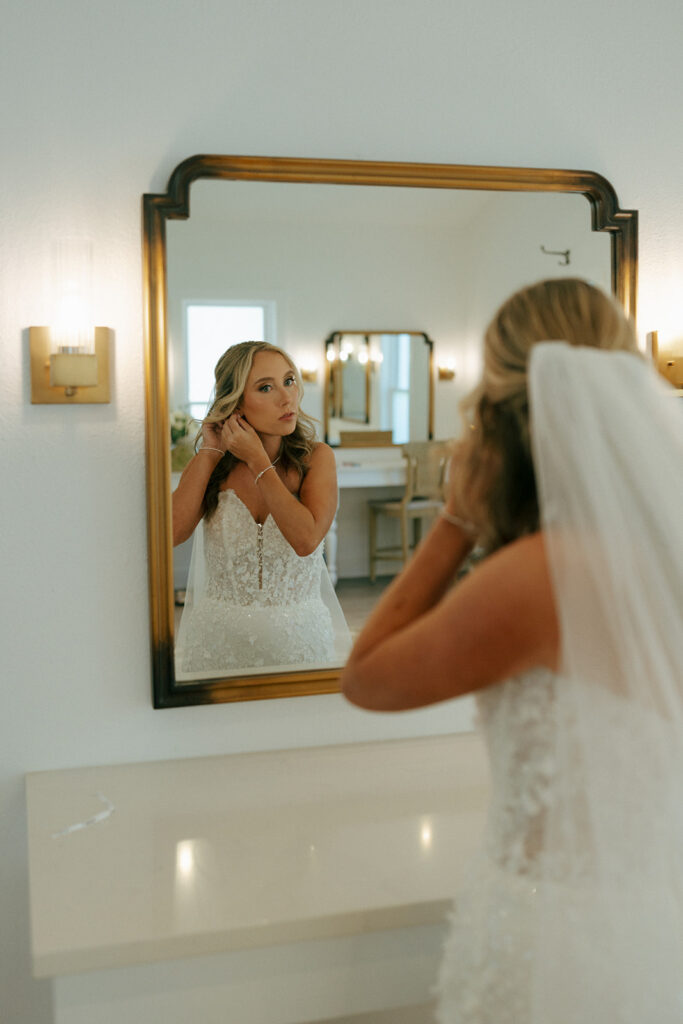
526,553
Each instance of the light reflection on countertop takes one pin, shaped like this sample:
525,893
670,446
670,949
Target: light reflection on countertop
213,854
426,834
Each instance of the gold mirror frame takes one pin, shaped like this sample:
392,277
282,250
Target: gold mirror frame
175,205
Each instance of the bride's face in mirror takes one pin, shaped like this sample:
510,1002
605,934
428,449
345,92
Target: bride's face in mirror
270,402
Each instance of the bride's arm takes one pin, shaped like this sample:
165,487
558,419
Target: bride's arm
427,642
304,521
188,497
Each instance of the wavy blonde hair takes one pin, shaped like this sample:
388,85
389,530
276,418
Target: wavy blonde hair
494,482
231,373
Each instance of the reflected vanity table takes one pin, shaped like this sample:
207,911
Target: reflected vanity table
362,473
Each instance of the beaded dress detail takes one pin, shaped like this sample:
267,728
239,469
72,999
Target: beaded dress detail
260,603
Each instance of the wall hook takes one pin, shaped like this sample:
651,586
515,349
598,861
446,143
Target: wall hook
563,252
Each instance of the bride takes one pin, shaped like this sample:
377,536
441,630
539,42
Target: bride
264,494
568,633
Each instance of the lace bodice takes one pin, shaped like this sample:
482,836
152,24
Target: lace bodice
263,567
485,975
254,603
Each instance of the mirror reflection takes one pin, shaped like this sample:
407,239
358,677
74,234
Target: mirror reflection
277,262
256,499
379,380
320,257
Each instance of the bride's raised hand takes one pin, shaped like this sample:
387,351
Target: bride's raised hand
211,435
241,440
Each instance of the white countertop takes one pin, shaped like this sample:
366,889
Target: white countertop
370,467
205,855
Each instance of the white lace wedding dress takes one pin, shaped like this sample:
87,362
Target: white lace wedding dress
573,911
253,602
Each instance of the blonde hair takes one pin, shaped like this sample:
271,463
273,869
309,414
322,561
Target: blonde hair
231,373
495,482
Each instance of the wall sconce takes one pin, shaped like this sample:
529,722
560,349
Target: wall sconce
60,375
669,364
70,359
309,373
446,371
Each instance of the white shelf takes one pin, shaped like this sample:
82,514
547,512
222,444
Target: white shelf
210,855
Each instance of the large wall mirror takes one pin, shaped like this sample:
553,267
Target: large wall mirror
404,261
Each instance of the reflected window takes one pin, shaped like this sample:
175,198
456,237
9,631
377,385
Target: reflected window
210,329
394,383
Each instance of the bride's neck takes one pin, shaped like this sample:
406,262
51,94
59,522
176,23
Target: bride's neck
272,445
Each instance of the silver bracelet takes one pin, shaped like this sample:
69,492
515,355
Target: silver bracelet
464,524
271,466
208,448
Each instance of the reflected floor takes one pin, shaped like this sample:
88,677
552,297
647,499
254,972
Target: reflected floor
358,597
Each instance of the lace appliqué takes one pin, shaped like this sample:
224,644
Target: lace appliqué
517,719
485,976
262,603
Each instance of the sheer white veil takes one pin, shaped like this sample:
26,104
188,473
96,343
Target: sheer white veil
607,438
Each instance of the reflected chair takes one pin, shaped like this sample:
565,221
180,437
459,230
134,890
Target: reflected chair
426,464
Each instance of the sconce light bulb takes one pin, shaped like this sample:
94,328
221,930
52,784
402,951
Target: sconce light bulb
185,858
309,372
72,330
72,319
447,369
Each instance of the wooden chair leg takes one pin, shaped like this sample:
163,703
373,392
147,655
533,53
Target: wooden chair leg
372,533
404,538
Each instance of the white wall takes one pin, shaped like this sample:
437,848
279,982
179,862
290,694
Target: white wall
99,102
441,267
508,254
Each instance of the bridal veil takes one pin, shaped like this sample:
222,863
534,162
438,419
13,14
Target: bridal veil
607,438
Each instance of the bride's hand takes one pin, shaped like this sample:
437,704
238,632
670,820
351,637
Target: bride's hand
241,440
211,435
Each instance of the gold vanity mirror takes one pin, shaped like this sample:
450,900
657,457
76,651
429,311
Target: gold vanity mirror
318,244
379,381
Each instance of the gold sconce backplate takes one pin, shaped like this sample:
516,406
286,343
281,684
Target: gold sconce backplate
667,361
43,393
671,367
